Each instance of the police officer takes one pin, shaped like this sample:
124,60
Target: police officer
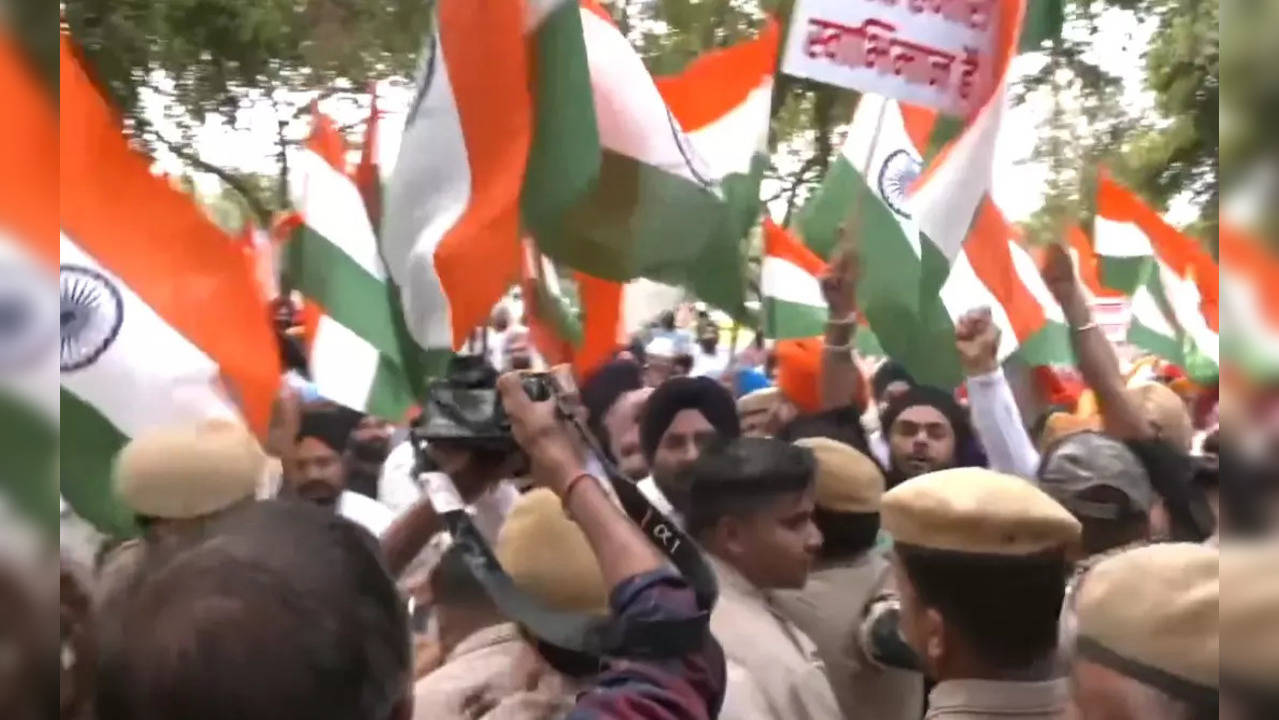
547,557
176,480
980,560
1148,635
849,575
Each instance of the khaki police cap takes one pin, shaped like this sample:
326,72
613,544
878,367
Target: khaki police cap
977,511
189,471
847,480
548,557
758,401
1250,614
1151,614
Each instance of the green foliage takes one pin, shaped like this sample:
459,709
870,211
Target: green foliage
1171,154
1249,104
214,57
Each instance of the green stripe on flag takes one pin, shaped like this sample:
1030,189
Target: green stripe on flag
785,320
29,446
1050,345
641,221
347,292
1044,19
564,160
1124,273
1155,342
556,313
389,395
88,448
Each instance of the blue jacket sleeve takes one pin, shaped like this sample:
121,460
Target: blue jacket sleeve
687,687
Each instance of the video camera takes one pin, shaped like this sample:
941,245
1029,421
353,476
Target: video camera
464,408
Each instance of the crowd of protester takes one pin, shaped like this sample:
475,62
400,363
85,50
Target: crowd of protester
881,548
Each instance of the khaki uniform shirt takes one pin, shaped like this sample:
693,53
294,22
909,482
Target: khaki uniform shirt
773,669
830,609
482,671
998,700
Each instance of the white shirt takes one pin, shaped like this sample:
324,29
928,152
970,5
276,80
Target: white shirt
396,486
998,424
365,511
655,497
709,365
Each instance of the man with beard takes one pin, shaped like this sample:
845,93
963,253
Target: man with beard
680,419
927,431
317,471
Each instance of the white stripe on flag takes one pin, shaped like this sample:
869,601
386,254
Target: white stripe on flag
1147,313
31,352
1028,273
343,365
964,291
428,193
890,139
632,116
150,375
331,205
1120,239
944,206
784,280
725,144
1241,306
1184,299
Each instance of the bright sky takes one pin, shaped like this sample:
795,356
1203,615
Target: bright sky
248,143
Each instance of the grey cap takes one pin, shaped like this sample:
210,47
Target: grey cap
1085,460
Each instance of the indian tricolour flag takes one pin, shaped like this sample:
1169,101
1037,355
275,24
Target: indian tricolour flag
933,242
353,349
1172,281
1250,301
789,286
578,149
722,99
161,321
28,290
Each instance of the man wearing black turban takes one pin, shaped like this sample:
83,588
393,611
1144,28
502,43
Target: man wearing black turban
927,430
680,419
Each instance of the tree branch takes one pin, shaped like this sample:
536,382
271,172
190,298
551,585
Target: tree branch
260,211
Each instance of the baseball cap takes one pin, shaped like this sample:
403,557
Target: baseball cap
1085,460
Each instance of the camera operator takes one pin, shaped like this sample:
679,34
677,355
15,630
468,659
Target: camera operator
643,588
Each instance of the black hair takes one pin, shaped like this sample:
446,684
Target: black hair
887,374
743,475
1100,535
1005,608
602,390
684,362
454,585
968,450
840,424
845,534
329,423
283,611
666,320
685,393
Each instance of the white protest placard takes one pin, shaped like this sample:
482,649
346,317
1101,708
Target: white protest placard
933,53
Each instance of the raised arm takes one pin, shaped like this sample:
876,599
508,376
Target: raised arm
644,589
1093,351
994,409
620,546
841,383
